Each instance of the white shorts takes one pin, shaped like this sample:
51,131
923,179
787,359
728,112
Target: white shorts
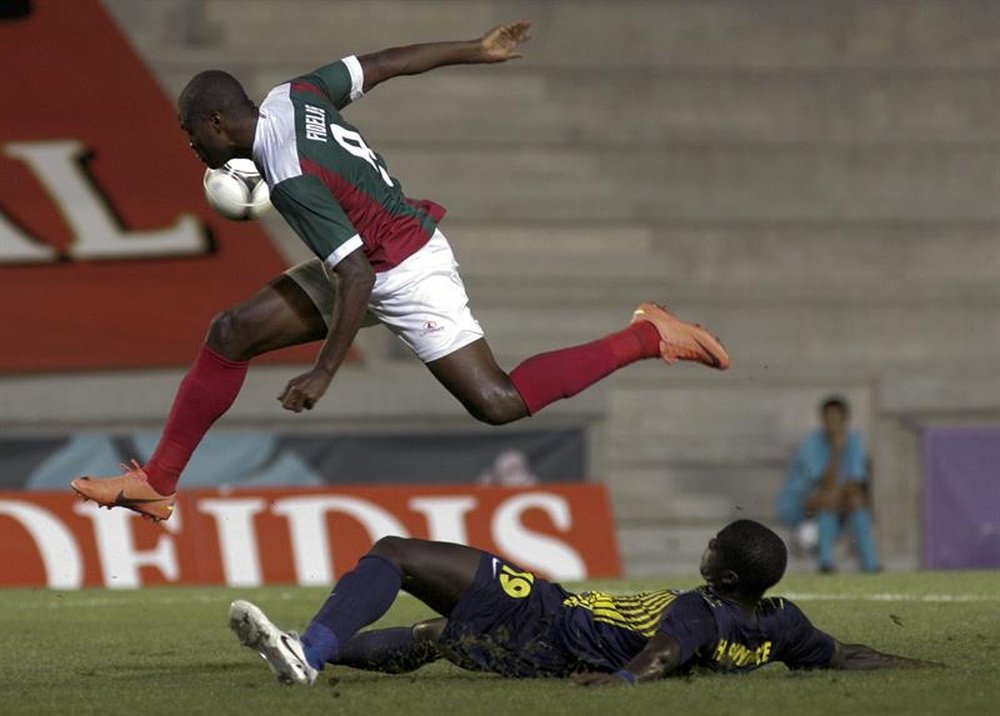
422,301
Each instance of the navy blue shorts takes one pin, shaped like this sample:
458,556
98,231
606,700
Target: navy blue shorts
509,623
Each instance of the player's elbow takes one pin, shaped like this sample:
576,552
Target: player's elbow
356,272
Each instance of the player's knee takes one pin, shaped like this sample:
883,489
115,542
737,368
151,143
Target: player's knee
429,630
490,414
855,497
392,549
231,335
497,407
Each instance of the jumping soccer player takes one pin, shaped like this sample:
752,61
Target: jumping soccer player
379,258
502,619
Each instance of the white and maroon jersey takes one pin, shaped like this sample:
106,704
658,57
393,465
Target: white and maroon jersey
332,189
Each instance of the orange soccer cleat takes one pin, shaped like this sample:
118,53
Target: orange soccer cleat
131,490
680,340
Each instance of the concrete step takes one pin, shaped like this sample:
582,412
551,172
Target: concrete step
553,255
870,258
661,107
711,493
583,289
377,396
554,266
711,183
514,105
718,425
664,108
853,265
650,549
768,33
777,337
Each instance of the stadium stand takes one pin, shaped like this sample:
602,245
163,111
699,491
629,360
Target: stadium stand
817,186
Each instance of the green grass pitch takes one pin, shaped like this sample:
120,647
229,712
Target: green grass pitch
169,650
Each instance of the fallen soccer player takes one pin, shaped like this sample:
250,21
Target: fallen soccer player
499,618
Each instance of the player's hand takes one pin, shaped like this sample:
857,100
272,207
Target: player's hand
597,678
824,498
924,664
500,44
303,392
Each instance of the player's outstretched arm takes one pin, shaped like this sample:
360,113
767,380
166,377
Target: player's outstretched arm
660,657
498,45
355,281
858,657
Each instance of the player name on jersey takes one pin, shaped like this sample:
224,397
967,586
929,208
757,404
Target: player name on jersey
315,118
306,537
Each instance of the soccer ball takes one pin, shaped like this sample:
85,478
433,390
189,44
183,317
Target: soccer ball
237,190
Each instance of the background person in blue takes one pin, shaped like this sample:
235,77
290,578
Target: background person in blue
827,481
499,618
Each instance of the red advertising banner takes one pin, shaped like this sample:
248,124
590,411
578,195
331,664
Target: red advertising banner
109,255
307,537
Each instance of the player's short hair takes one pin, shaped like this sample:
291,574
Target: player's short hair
835,401
757,555
211,91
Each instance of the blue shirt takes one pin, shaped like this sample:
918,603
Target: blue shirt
512,623
717,634
606,632
811,459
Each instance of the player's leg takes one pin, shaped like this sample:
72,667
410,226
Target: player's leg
472,375
828,509
653,332
400,650
493,396
828,527
395,650
424,302
280,314
437,573
859,522
277,316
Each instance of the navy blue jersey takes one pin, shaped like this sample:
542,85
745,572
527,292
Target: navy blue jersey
512,623
508,622
605,631
718,634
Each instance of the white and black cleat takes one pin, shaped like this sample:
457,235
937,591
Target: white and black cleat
282,650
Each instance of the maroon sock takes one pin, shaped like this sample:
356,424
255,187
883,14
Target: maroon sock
548,377
207,391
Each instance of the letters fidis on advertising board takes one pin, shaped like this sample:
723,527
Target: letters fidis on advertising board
305,537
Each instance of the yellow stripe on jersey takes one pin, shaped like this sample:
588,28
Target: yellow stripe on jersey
640,613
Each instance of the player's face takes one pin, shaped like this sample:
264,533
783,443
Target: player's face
207,142
710,563
834,421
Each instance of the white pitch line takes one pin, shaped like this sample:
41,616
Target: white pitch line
888,597
51,602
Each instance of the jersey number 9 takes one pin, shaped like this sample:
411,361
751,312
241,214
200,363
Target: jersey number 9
353,142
